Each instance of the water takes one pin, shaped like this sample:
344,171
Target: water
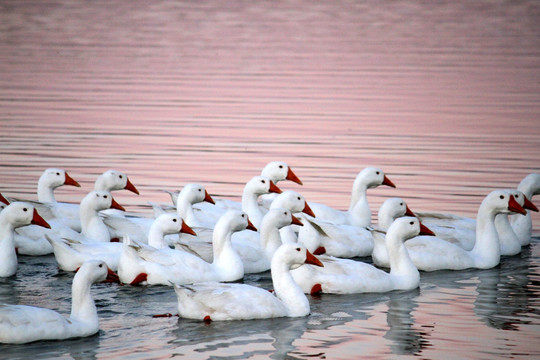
442,96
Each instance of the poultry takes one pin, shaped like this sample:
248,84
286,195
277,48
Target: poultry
20,324
70,254
143,264
212,301
433,253
15,215
522,225
345,276
359,213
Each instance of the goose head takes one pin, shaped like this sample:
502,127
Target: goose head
170,223
261,185
522,200
392,209
279,171
98,200
530,185
372,177
94,271
21,214
279,217
112,180
237,221
292,201
53,178
407,227
294,255
195,193
501,202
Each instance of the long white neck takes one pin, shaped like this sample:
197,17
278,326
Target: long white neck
401,265
358,190
287,290
92,225
83,308
522,226
250,206
184,209
379,247
487,251
288,235
227,262
360,212
101,184
8,256
270,239
45,192
384,219
156,237
507,237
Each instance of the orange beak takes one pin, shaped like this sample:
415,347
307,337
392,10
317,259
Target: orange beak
424,230
295,221
38,220
387,182
250,226
408,211
70,181
187,230
515,207
529,205
307,210
311,259
129,186
208,198
274,188
4,200
292,177
115,205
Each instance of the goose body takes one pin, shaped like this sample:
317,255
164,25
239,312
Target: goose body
218,302
21,324
433,253
359,213
145,264
13,216
344,276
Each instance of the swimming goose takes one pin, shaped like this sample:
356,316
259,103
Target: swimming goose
433,253
15,215
522,225
359,213
70,254
216,301
21,324
143,264
344,276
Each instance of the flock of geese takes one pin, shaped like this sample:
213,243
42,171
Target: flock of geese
200,246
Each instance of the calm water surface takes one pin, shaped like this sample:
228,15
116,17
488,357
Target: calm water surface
443,96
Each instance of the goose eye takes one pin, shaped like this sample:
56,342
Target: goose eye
120,176
58,173
516,196
174,220
243,215
284,213
100,265
25,209
200,190
412,223
502,196
400,204
104,196
281,166
298,249
263,181
378,172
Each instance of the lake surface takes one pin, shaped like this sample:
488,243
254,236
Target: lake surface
444,97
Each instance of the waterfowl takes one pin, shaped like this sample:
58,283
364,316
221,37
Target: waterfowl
433,253
143,264
15,215
344,276
21,324
359,213
216,301
522,225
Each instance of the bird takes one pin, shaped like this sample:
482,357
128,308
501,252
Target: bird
15,215
359,213
212,301
522,225
20,324
346,276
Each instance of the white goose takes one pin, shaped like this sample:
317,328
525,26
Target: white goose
296,203
433,253
142,264
70,254
216,302
15,215
21,324
522,225
359,213
343,276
